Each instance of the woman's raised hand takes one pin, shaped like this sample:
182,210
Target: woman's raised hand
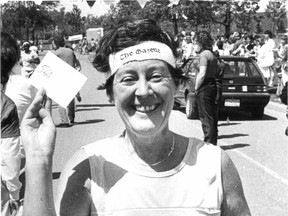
38,131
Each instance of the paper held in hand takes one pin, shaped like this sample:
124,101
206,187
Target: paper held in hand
60,80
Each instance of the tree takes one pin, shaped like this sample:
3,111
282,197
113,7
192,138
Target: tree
276,12
242,12
23,18
75,20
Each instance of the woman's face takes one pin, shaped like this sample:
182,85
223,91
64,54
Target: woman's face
143,93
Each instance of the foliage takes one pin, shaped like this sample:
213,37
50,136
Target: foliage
27,20
23,18
276,12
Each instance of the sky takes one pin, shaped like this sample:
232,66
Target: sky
99,8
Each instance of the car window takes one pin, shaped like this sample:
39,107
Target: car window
254,70
240,69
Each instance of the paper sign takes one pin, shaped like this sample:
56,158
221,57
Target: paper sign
60,80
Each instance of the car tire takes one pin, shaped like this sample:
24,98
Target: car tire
258,113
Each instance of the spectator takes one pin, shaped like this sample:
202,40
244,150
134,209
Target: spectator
93,45
120,175
249,48
219,47
29,60
67,114
266,58
188,49
10,131
283,98
282,53
237,42
22,93
205,86
33,48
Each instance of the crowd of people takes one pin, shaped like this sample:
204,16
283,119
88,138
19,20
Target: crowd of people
270,56
147,169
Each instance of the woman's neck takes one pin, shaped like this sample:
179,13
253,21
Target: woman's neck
153,148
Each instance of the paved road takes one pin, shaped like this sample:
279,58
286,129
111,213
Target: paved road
258,148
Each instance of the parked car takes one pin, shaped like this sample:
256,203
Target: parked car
244,87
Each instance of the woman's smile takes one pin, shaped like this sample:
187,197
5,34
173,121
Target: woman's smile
146,108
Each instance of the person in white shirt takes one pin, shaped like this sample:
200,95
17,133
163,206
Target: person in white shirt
29,60
266,57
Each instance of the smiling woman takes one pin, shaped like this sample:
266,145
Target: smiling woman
147,169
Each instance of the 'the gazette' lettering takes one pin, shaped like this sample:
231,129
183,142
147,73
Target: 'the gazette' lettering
139,51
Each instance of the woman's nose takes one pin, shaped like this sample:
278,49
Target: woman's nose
143,88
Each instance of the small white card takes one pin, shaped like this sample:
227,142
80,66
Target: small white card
60,80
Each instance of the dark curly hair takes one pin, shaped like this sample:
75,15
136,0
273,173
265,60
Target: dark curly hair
10,55
205,39
130,34
269,33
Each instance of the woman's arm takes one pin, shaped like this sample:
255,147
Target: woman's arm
200,77
234,202
38,135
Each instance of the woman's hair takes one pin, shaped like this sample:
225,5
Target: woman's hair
10,55
205,39
269,33
220,44
130,34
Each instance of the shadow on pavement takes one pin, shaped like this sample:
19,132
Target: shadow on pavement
242,116
79,106
232,136
235,115
226,124
89,121
239,145
95,105
86,109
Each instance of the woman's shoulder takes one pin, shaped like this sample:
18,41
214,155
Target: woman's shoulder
102,146
204,148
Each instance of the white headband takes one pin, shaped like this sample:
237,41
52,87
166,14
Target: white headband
144,51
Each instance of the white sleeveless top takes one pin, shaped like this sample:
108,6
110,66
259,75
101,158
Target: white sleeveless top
120,187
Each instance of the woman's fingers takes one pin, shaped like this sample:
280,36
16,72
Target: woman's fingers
36,105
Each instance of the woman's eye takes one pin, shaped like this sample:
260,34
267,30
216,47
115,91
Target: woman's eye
156,77
129,80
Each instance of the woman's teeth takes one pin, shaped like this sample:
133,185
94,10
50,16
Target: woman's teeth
145,108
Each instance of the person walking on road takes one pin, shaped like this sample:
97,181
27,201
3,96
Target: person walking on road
147,169
67,114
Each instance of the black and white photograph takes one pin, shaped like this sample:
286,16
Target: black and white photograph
144,107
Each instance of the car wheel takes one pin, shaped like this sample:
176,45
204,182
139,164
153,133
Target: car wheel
258,113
